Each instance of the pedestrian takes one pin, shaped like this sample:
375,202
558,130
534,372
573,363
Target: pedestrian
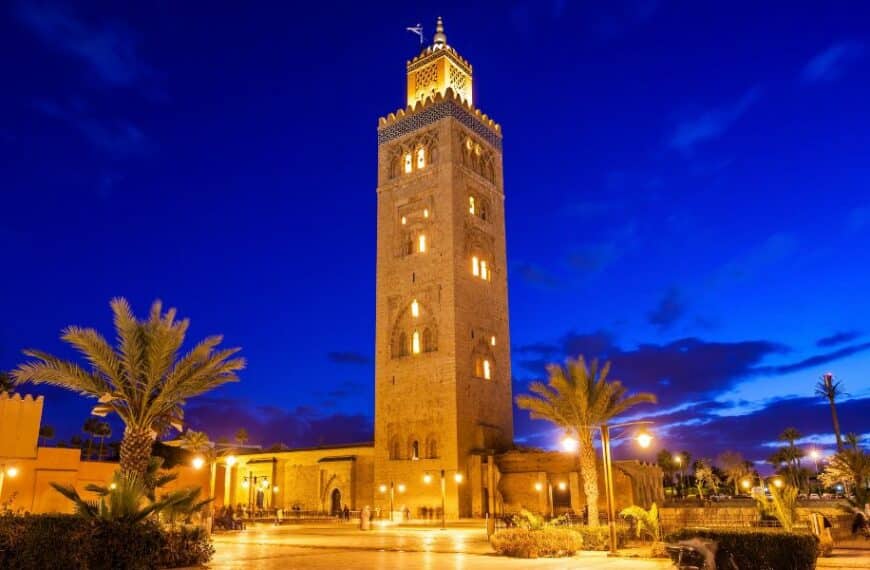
346,513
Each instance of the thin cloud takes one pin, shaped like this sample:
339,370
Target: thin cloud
535,275
814,361
118,139
109,51
837,338
670,309
712,124
830,64
348,357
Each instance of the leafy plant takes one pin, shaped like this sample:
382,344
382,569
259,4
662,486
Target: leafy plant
547,542
646,521
143,380
578,398
705,477
782,505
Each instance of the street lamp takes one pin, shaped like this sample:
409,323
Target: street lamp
383,489
644,439
457,477
11,472
198,462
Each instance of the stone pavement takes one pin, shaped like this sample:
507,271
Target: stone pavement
346,548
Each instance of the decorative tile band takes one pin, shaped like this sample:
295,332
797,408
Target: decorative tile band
435,112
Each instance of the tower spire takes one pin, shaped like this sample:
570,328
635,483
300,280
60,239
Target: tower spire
440,38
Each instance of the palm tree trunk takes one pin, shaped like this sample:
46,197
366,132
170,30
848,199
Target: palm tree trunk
589,471
836,424
136,451
100,452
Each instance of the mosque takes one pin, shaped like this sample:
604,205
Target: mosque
443,436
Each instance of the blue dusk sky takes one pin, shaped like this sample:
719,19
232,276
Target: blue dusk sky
686,193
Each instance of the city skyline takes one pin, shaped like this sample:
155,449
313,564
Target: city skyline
694,215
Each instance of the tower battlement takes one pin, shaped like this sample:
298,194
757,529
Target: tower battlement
20,418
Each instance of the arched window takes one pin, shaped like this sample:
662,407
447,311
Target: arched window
402,349
484,273
428,340
421,243
415,308
395,448
432,447
408,162
487,370
475,266
472,208
415,450
415,342
421,158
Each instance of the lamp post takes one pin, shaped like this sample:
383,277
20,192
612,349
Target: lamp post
392,488
644,439
457,477
678,459
11,471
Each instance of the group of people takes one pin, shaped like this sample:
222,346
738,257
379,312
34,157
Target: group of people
227,518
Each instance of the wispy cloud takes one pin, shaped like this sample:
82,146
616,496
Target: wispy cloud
830,64
772,250
670,309
711,124
118,139
837,338
535,275
348,357
110,50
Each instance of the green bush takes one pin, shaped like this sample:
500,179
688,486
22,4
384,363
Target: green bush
768,549
547,542
598,537
67,542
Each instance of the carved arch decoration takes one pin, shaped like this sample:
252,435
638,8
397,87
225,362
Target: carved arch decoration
477,157
406,325
396,159
483,363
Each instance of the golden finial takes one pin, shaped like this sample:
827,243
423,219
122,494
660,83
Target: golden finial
440,37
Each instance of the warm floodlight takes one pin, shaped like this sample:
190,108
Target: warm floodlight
198,462
644,439
562,485
777,483
427,478
382,488
12,472
539,487
401,487
458,477
231,460
570,444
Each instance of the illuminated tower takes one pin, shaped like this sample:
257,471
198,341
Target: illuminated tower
442,357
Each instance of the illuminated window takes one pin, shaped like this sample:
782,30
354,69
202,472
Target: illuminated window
408,163
421,157
487,374
471,204
421,243
415,308
404,220
426,213
475,266
492,340
484,274
415,343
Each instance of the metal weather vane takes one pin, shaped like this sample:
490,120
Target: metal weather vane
418,29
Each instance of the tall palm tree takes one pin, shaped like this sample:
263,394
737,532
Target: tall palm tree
103,431
829,389
91,427
143,380
580,398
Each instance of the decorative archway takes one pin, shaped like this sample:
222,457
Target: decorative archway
335,502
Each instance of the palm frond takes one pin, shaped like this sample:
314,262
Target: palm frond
48,369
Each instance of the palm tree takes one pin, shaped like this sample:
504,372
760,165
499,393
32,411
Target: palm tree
197,442
242,436
829,389
46,432
705,477
143,380
103,431
580,398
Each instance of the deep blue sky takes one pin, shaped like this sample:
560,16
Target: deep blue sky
687,194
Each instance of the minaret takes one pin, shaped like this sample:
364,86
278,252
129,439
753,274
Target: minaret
442,355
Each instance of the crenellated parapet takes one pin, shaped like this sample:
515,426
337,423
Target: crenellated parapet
20,418
434,108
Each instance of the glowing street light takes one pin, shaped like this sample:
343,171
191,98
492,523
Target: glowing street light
539,487
746,483
12,472
427,478
777,483
382,488
401,487
644,439
275,489
231,460
562,485
198,462
457,477
570,444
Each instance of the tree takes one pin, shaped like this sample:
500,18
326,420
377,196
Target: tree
782,505
830,389
787,459
46,432
6,383
579,398
646,521
851,465
90,427
242,436
103,430
197,442
705,477
735,468
143,380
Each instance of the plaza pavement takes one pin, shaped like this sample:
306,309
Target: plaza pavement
344,547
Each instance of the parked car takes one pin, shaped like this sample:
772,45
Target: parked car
815,496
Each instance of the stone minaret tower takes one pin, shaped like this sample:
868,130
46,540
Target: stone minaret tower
442,355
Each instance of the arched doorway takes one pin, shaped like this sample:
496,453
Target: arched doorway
335,505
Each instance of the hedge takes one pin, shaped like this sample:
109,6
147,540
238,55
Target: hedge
768,549
547,542
69,542
598,537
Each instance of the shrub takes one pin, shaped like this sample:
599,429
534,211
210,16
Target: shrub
524,543
769,549
598,537
70,542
